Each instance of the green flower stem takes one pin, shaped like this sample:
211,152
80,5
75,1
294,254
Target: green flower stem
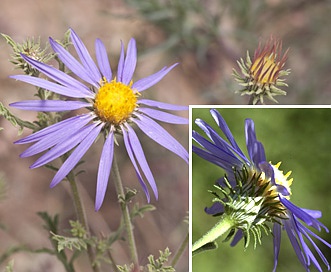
222,226
125,211
180,251
81,216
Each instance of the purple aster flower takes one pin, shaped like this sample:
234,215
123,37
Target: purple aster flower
271,184
113,105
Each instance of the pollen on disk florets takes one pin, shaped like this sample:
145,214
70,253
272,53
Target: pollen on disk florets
115,102
262,76
281,179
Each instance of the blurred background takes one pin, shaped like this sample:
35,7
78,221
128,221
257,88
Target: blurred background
299,138
206,38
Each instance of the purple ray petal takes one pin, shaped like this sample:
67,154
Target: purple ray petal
230,177
301,214
304,231
129,149
147,82
309,254
141,159
277,239
161,136
219,161
225,156
269,172
63,147
313,213
105,164
216,208
61,134
130,62
85,57
231,150
51,86
120,65
237,237
305,249
72,64
49,105
76,155
255,148
161,105
102,59
283,190
224,127
164,116
58,75
291,230
54,128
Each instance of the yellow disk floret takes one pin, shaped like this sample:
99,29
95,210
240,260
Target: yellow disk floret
281,179
115,102
269,191
264,70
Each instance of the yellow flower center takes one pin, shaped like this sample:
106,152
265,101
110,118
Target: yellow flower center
280,179
115,102
272,205
264,69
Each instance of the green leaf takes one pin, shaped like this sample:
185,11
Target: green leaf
15,121
51,224
158,265
125,268
139,211
69,242
77,229
129,195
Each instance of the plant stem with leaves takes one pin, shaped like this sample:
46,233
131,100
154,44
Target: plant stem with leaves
125,212
81,216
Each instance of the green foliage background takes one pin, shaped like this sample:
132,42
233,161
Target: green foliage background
300,138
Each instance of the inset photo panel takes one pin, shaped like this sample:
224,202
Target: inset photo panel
260,188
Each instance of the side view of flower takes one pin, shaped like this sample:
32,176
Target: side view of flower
255,193
112,105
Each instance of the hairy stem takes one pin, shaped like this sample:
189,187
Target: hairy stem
125,211
209,238
81,216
